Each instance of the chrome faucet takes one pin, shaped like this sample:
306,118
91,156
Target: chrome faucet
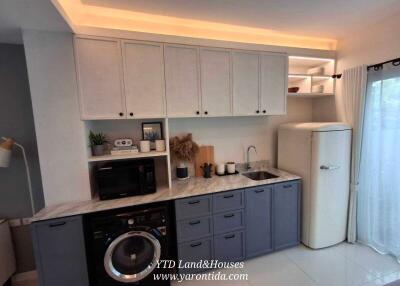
248,167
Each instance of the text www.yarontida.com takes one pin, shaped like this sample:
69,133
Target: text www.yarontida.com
211,276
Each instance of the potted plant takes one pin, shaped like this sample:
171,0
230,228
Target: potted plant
97,143
183,149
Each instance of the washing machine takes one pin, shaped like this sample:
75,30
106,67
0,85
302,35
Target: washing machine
124,246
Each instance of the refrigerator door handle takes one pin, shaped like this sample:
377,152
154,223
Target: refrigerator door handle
329,167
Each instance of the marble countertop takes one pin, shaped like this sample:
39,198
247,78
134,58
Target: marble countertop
180,189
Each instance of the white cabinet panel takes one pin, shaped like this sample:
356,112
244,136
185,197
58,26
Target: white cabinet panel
182,81
144,79
216,96
99,69
245,83
273,84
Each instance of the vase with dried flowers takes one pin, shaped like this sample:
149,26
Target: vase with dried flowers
183,149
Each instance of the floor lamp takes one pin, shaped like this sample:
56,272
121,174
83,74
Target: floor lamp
5,158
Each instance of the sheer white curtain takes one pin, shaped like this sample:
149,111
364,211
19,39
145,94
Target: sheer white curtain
378,214
354,84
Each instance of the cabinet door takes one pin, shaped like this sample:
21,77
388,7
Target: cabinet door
286,206
258,220
99,70
60,252
273,70
215,68
182,81
245,83
144,80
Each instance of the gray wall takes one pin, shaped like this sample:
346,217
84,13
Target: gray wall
16,120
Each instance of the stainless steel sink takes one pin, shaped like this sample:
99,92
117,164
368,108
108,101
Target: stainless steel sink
259,175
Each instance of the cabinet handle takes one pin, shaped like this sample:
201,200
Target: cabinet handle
195,244
229,236
258,111
194,222
194,202
131,114
121,114
56,224
264,111
205,112
228,196
259,191
229,215
197,112
287,186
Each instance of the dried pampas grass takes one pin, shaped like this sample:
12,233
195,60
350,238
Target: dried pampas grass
183,148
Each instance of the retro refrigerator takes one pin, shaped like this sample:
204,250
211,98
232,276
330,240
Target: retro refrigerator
320,153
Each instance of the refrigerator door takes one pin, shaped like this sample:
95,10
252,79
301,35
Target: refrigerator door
329,192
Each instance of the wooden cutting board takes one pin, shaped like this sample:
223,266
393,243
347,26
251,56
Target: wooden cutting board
205,155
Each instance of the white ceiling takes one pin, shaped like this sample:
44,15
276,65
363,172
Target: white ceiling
29,14
321,18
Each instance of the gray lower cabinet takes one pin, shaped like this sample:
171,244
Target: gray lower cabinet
286,215
195,251
235,225
258,220
60,252
229,246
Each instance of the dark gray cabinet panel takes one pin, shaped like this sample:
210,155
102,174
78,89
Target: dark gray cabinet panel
195,251
286,206
194,228
225,201
193,207
60,252
229,246
258,220
228,221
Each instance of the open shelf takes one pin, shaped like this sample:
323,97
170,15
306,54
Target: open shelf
138,155
313,76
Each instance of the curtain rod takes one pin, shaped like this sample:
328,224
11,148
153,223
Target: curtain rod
379,66
376,67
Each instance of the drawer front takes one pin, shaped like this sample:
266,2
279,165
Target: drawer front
194,228
225,201
195,251
193,207
228,221
229,246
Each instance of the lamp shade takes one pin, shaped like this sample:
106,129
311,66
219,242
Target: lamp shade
5,152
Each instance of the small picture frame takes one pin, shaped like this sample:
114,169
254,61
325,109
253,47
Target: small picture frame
152,131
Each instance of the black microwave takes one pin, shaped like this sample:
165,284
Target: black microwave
125,178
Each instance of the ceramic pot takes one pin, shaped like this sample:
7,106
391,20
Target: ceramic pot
98,150
182,172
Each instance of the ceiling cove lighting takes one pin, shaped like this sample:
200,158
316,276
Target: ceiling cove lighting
82,15
310,58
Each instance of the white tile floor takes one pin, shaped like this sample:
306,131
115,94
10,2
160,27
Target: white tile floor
341,265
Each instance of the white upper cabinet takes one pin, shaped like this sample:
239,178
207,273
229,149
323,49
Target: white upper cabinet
245,83
99,72
182,81
273,70
144,79
215,66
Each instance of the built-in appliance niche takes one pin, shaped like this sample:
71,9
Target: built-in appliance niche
132,129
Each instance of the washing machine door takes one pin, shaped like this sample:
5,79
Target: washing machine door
132,256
